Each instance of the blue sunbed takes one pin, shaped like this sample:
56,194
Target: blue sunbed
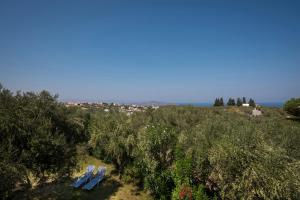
84,178
96,180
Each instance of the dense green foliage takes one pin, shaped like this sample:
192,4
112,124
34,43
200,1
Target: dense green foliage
203,153
38,136
293,107
175,152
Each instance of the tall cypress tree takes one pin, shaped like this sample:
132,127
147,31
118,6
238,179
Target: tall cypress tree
217,102
231,102
252,102
244,100
221,102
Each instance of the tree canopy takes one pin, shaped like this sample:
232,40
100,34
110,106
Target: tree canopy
38,135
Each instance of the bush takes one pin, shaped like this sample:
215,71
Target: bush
9,177
199,193
160,184
292,107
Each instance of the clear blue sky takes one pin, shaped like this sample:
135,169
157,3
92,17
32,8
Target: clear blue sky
172,51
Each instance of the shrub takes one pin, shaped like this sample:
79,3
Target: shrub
292,107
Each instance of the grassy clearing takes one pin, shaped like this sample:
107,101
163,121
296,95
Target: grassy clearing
112,188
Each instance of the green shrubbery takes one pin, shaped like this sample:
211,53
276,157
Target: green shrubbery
38,136
176,152
293,107
206,153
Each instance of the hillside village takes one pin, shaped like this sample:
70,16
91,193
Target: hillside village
129,109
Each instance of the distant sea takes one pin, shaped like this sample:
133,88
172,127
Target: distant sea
271,104
265,104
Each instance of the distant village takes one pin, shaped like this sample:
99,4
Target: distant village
129,109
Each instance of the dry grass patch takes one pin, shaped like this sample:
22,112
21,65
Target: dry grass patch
111,188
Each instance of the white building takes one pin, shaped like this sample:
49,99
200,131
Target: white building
256,112
245,104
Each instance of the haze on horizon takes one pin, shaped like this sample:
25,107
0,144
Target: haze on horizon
169,51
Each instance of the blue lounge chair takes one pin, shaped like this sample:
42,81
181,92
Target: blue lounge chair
84,178
96,180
